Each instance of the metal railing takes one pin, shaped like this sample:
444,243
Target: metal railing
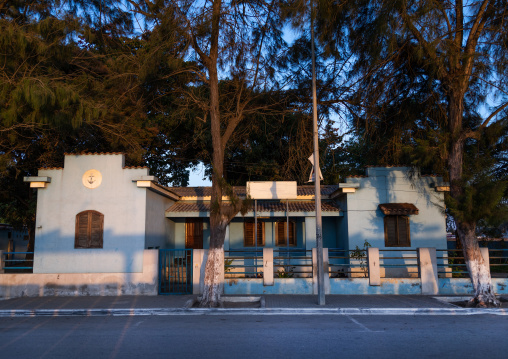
243,263
347,263
451,263
498,262
404,265
292,263
18,262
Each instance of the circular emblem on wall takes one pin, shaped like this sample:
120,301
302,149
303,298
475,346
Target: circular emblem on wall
92,179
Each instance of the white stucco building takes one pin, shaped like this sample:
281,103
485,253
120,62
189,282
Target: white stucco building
97,218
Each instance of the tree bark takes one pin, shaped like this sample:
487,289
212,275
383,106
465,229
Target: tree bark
214,269
479,271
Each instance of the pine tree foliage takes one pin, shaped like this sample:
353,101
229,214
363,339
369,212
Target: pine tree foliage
62,92
433,92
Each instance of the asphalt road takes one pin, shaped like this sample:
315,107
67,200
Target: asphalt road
316,336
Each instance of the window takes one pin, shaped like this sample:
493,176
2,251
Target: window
397,231
194,233
89,229
248,234
281,233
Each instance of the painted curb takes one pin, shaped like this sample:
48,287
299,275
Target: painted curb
17,313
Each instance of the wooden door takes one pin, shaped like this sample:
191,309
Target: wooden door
194,233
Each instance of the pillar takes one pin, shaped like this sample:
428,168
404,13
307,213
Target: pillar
267,266
199,257
427,261
374,268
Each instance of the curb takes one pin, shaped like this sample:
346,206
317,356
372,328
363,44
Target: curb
19,313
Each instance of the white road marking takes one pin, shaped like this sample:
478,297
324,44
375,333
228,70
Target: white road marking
363,326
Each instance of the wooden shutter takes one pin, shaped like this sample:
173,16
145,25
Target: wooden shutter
96,220
282,233
292,234
81,238
194,233
403,231
248,234
89,230
397,231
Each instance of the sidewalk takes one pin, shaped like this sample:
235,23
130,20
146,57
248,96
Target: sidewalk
269,305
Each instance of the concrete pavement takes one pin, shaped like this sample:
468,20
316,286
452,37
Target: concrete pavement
263,305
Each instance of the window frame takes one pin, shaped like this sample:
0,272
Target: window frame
260,230
90,231
292,234
397,239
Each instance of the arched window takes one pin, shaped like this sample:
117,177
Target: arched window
89,229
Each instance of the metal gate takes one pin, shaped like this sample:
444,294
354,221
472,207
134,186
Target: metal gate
175,271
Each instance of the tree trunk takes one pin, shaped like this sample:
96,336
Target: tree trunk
478,270
214,270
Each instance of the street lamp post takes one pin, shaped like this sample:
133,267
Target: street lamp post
317,182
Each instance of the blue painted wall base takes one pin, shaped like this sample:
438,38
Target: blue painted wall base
403,286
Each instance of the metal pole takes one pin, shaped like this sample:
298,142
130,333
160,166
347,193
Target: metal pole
319,234
287,230
256,234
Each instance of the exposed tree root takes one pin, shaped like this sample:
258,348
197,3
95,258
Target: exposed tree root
478,303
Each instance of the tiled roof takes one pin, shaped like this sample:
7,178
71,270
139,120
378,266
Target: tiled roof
309,190
263,206
92,153
241,191
134,167
387,166
398,208
189,207
201,191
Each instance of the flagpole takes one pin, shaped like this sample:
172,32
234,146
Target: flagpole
317,173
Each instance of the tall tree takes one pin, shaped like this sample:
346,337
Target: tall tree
237,41
62,91
455,55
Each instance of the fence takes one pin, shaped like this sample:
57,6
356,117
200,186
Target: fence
287,263
246,263
16,262
292,263
348,263
498,263
399,263
393,263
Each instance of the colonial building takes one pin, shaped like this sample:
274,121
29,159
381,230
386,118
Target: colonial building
97,216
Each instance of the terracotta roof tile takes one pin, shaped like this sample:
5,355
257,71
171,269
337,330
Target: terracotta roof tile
398,208
263,206
241,191
92,153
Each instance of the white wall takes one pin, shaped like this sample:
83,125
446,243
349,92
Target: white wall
157,226
392,185
121,202
84,284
